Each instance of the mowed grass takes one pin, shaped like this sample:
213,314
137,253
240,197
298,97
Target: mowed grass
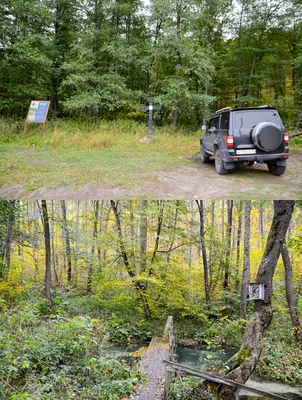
69,152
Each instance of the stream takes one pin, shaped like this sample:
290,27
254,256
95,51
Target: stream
202,359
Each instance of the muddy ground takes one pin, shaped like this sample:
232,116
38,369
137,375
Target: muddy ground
198,181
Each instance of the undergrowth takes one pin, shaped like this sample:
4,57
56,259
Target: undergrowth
71,134
189,388
55,356
61,354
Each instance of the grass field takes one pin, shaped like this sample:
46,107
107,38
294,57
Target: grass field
68,152
118,154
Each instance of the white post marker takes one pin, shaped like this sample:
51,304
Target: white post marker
150,108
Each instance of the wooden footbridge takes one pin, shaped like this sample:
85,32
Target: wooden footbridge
153,367
158,365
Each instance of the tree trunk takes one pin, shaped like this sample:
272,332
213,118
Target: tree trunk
246,258
261,225
139,287
53,245
290,297
243,363
35,235
76,252
131,231
203,248
178,56
173,231
67,240
158,232
47,253
211,260
175,118
96,204
238,242
11,218
143,235
228,251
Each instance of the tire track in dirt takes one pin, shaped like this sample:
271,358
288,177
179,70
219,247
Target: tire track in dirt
198,181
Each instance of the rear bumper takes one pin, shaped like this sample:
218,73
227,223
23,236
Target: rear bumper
230,156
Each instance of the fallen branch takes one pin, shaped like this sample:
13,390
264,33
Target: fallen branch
291,135
6,383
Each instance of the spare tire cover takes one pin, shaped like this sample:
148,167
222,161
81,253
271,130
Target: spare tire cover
267,136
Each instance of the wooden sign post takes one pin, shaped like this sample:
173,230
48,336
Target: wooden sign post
37,113
150,108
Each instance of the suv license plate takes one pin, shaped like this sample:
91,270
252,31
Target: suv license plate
251,151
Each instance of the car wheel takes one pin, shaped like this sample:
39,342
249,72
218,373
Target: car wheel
204,157
249,163
275,169
219,164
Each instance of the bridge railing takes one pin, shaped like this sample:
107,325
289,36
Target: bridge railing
169,371
218,378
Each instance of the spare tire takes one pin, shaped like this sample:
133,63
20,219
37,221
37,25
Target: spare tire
267,136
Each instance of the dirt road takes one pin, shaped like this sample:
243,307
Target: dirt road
195,181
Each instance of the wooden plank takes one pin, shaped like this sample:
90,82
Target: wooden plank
152,365
220,379
167,383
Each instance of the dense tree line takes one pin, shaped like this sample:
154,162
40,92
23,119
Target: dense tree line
159,252
103,58
159,258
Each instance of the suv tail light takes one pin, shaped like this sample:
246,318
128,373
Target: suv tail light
229,141
285,138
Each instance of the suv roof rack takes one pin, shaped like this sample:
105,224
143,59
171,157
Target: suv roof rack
223,109
266,106
243,108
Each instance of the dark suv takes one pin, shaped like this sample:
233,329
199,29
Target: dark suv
246,135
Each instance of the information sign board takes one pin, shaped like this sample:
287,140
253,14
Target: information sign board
37,112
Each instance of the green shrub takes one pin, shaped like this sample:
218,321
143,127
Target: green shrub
189,388
70,304
223,333
57,357
281,362
128,331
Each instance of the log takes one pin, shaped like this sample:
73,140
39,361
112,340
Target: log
291,135
218,378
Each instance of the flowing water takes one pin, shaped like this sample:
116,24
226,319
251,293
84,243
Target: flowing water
201,359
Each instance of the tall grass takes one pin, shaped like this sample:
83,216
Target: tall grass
71,134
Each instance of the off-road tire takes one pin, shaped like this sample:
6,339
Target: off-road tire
275,169
267,136
219,166
203,155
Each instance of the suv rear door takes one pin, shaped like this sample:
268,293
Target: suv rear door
212,132
244,122
224,124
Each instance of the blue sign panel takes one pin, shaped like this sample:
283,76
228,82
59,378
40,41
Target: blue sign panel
38,111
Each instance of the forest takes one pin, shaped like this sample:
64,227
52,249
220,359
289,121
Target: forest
103,58
78,278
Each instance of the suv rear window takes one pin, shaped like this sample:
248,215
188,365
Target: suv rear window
249,119
224,121
214,122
